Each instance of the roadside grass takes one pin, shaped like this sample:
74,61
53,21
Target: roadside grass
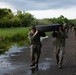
10,36
12,31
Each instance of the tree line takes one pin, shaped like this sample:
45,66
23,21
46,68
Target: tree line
23,19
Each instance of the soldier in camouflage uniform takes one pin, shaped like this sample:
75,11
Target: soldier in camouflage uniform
34,38
59,44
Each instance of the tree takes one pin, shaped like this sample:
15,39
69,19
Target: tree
5,16
27,20
15,21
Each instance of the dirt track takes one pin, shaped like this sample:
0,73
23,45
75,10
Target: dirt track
21,60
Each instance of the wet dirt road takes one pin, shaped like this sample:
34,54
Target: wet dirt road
17,63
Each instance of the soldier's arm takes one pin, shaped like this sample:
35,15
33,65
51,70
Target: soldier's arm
34,35
31,37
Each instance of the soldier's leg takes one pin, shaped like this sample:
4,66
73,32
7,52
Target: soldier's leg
32,56
57,58
38,56
37,60
61,56
56,51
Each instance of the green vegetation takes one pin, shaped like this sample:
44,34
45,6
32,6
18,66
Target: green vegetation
11,36
48,33
12,31
23,19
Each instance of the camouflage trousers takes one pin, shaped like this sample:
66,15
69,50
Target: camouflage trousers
59,53
35,52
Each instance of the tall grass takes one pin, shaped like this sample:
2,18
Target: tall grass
11,31
9,36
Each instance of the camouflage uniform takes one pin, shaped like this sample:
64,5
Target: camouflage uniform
59,46
35,47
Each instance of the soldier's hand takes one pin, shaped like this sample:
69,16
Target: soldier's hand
35,33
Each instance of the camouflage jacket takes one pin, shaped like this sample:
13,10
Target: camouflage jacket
60,39
34,40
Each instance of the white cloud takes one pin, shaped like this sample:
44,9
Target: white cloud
38,4
7,5
68,13
42,9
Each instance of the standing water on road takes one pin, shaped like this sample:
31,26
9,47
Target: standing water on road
5,64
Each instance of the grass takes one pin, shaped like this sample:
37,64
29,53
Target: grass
10,36
12,31
48,33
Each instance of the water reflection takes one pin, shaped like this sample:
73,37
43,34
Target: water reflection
6,46
33,70
13,49
5,64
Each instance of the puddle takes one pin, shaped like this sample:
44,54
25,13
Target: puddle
5,64
44,66
14,49
48,59
11,51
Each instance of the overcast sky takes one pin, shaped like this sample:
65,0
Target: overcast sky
43,8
